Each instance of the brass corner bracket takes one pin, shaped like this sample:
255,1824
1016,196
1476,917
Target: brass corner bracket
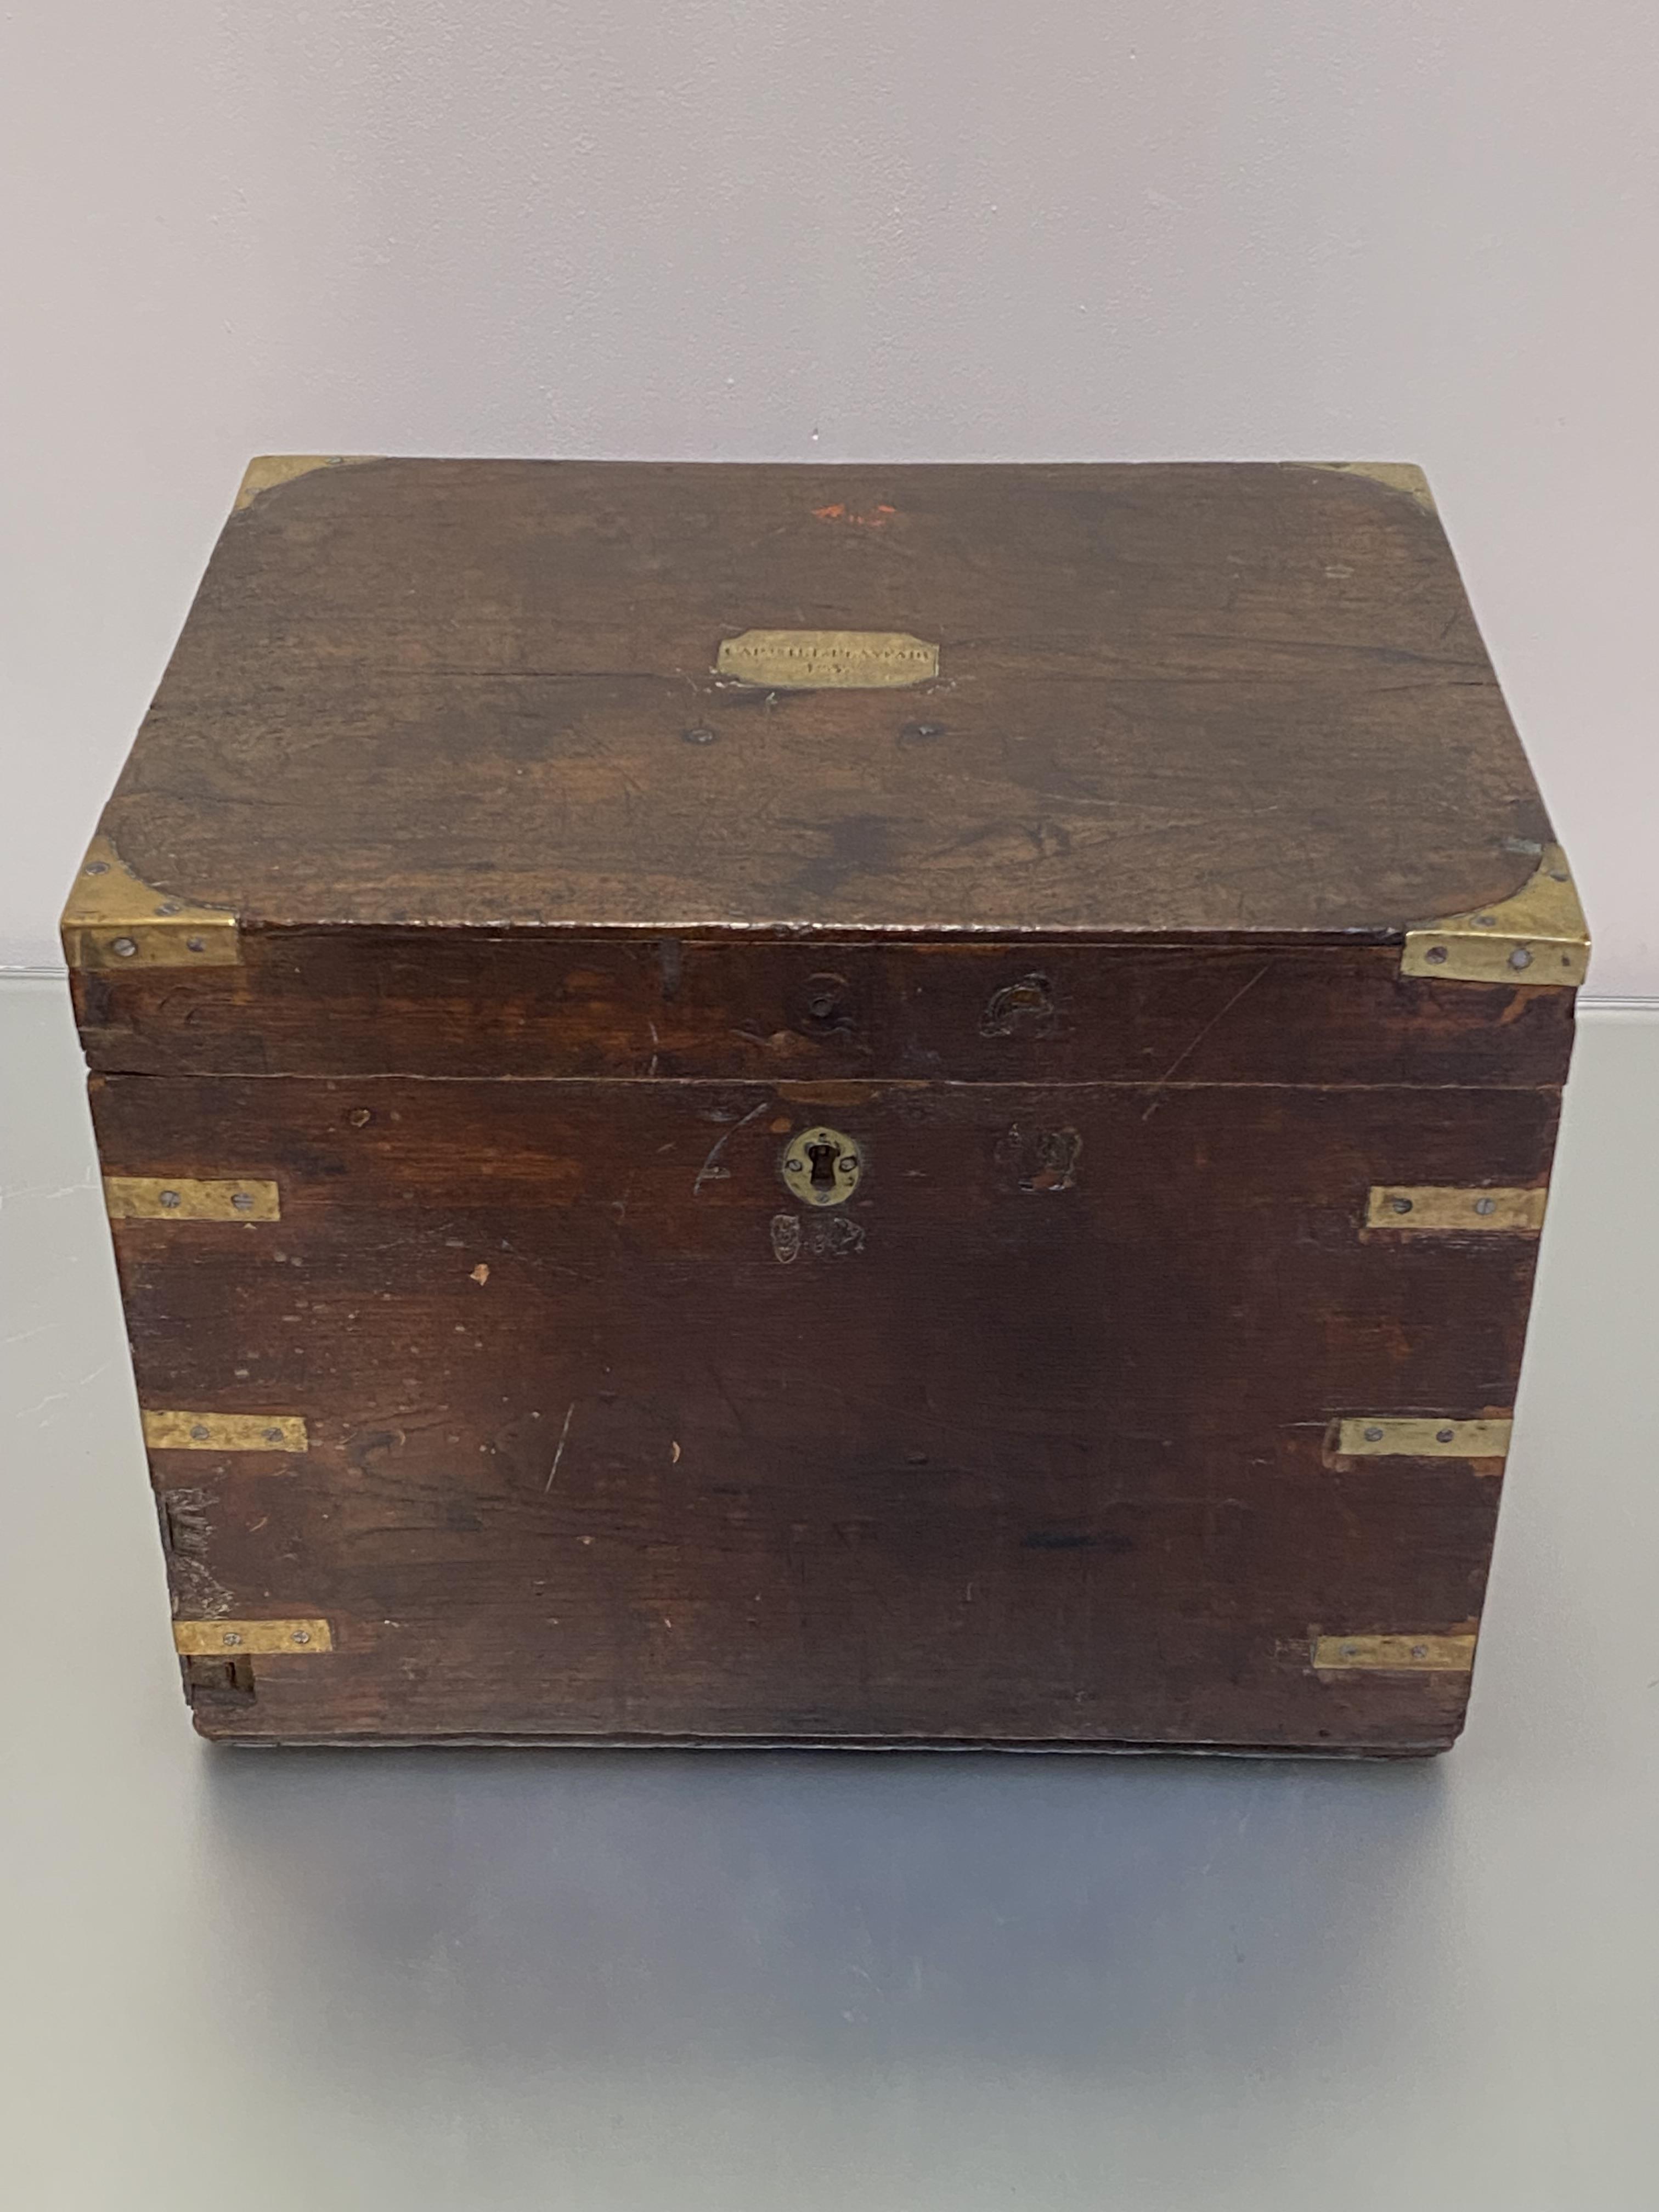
116,919
1537,936
266,471
1398,476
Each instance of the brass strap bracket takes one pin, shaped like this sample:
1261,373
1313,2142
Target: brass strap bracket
1382,1436
185,1197
1398,1654
236,1639
1440,1209
221,1432
1538,936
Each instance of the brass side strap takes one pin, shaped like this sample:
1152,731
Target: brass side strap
264,1433
1400,1655
1438,1209
1378,1435
185,1198
198,1639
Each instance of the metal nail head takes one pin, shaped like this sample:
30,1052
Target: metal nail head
1373,1435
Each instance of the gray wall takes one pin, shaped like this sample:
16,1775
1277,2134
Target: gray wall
920,230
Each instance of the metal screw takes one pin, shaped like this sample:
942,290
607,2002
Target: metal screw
792,1166
273,1436
171,906
1443,1436
198,1430
1438,953
1373,1435
699,734
1486,1205
231,1636
125,947
1419,1651
1351,1651
102,868
302,1636
196,944
1487,920
242,1201
170,1198
1520,958
1400,1205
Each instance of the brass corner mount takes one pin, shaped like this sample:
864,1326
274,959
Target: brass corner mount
1538,935
115,919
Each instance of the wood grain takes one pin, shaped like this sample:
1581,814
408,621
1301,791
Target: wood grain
459,1003
1004,1462
1245,699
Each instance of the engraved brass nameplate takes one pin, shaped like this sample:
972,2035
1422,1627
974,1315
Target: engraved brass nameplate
827,659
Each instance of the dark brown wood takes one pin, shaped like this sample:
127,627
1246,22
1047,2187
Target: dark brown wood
1201,699
317,1002
1010,1462
1093,948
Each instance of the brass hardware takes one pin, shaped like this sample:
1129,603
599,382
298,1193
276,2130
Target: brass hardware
827,659
1399,475
1537,936
1413,1655
267,1433
236,1639
182,1198
114,920
822,1167
1375,1436
1433,1209
266,471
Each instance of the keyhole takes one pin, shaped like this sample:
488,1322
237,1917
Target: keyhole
822,1167
822,1159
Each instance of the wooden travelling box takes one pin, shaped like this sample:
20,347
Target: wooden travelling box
827,1105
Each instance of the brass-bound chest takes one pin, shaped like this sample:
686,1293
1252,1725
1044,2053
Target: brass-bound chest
827,1105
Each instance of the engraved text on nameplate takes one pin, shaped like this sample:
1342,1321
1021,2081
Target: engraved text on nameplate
827,659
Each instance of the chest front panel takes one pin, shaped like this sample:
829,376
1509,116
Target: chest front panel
611,1433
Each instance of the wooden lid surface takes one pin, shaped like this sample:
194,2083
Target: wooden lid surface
1199,699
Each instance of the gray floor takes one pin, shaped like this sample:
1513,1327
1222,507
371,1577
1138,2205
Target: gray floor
316,1980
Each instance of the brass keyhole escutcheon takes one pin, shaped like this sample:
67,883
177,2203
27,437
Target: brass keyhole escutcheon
822,1167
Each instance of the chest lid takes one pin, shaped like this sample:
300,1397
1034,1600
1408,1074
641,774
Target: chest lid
1242,702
